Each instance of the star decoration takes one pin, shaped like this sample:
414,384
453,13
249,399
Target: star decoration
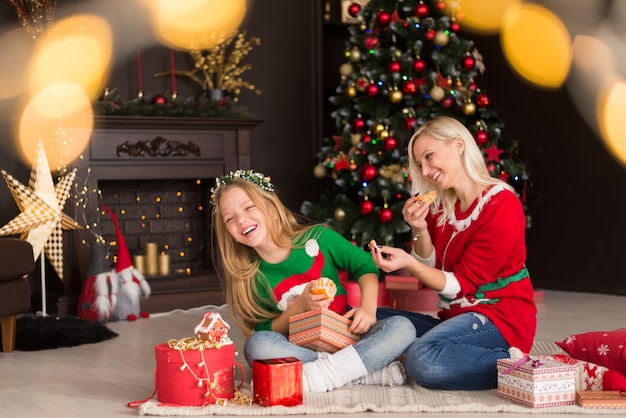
42,220
338,142
493,153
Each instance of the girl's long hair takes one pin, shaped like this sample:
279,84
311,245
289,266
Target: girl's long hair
240,263
445,128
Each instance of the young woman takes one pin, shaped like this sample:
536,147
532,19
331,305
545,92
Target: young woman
269,260
469,246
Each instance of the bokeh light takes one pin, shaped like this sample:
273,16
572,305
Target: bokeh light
195,24
16,52
77,49
483,16
61,117
536,44
611,111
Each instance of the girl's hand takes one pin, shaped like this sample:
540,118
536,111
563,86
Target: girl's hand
308,301
415,214
362,319
390,259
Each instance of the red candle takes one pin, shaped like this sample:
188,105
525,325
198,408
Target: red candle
139,76
173,75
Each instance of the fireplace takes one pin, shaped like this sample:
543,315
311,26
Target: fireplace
156,175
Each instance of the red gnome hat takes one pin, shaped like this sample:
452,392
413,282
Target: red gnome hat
132,284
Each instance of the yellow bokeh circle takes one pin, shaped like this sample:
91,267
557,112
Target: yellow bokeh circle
483,16
537,45
611,111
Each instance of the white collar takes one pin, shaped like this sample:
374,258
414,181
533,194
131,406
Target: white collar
463,224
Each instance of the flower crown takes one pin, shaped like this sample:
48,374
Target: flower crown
249,175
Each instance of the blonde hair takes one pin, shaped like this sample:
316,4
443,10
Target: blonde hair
240,264
444,128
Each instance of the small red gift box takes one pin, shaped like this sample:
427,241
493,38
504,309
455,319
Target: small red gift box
321,330
610,399
277,381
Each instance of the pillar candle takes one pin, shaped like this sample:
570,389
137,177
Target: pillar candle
164,264
139,262
152,264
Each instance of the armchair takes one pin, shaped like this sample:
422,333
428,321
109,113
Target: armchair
16,261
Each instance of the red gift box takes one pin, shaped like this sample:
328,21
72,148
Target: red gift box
195,377
321,330
277,381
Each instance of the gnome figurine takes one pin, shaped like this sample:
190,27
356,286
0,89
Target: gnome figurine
131,285
99,293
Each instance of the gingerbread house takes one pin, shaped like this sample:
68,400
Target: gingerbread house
213,329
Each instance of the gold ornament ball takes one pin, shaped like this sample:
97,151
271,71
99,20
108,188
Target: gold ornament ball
351,92
441,38
319,171
437,93
384,134
355,139
355,55
469,108
395,96
340,214
378,128
346,69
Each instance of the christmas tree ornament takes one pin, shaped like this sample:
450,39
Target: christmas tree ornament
429,35
339,214
361,84
482,100
366,207
372,90
437,93
385,215
368,172
493,153
371,42
409,87
159,99
354,9
441,38
378,128
419,65
421,10
355,54
345,69
358,124
455,27
319,171
367,138
468,63
390,143
384,18
395,96
469,108
409,123
383,134
482,137
395,67
447,102
351,92
355,139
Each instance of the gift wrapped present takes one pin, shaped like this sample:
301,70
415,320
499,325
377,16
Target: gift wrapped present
277,381
536,383
610,399
321,330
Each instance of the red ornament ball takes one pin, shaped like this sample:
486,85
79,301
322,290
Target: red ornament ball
441,5
482,100
372,90
358,124
455,27
390,143
368,172
383,18
429,35
409,87
447,102
395,67
421,10
385,215
419,65
473,86
482,137
366,138
159,99
371,42
468,63
354,9
409,123
366,207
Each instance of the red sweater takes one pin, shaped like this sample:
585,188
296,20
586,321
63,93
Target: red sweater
484,247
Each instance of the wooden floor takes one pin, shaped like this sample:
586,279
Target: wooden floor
98,380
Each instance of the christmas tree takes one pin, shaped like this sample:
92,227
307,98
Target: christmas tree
405,63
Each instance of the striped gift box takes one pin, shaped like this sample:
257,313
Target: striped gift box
321,330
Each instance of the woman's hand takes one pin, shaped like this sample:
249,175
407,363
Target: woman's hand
390,259
415,214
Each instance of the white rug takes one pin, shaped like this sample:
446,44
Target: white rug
362,398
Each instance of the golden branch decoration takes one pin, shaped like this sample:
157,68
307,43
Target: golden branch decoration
219,67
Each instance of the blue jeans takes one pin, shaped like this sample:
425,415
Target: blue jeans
382,344
458,353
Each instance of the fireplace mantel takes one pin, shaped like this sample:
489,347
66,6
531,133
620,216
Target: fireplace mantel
156,148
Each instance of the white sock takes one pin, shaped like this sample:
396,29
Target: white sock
390,375
333,371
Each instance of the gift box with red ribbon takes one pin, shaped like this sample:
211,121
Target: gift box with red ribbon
321,330
277,381
536,383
